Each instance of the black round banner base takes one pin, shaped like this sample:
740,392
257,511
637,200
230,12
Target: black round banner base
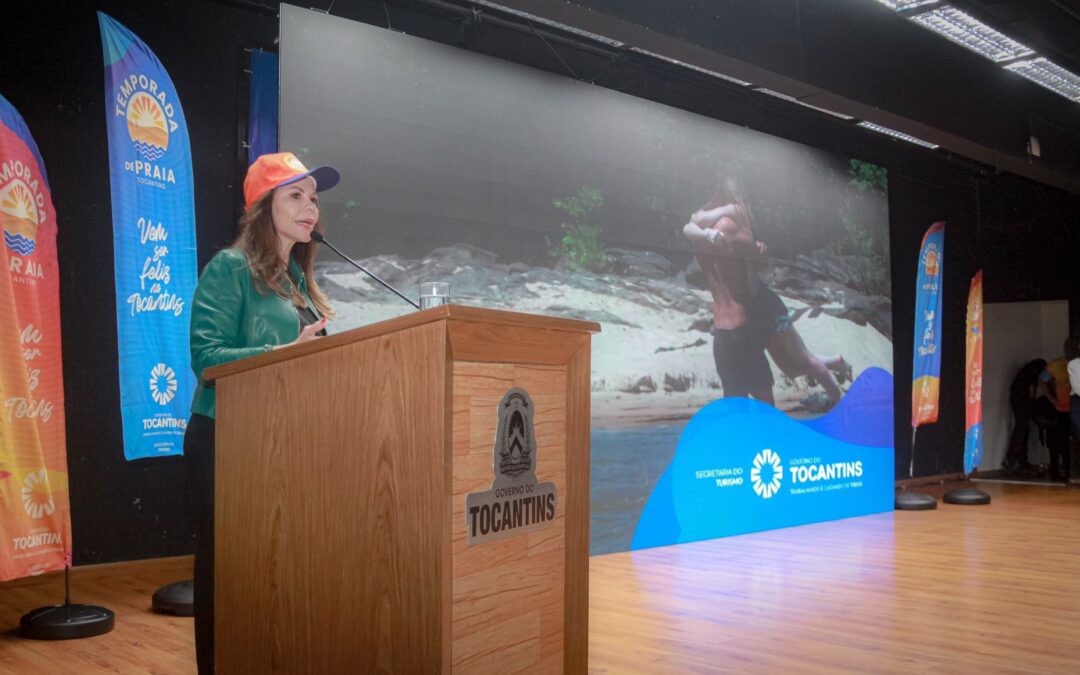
915,501
966,497
177,599
66,622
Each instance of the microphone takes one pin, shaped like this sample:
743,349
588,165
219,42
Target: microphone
317,236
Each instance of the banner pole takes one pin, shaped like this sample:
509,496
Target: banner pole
926,353
66,621
909,500
973,376
911,467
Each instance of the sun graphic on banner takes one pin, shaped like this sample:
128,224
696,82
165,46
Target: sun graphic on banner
932,263
162,383
36,496
147,126
19,217
768,486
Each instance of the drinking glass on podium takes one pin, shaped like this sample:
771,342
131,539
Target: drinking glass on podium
433,294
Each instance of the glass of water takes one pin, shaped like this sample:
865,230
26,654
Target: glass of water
434,293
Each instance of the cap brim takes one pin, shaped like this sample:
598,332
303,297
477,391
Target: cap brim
325,177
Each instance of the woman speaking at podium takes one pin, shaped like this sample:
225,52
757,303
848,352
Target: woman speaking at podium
253,297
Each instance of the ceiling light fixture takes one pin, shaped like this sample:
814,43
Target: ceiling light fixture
668,59
967,31
551,24
792,99
897,134
903,5
1045,72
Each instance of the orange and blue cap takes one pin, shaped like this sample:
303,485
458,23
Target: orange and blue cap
281,168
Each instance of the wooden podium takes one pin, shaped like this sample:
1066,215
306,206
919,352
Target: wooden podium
342,471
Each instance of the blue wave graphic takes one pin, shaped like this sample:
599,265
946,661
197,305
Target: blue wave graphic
19,243
836,466
865,415
149,151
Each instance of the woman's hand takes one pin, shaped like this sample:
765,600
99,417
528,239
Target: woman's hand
307,334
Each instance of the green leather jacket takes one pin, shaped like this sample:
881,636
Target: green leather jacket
231,319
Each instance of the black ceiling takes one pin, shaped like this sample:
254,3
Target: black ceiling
861,58
1050,26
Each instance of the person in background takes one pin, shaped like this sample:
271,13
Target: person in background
253,297
1055,383
1022,394
1072,356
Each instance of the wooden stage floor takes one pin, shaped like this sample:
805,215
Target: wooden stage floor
991,589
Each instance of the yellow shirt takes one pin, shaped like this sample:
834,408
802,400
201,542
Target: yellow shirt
1059,371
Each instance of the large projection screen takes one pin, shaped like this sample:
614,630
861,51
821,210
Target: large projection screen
741,382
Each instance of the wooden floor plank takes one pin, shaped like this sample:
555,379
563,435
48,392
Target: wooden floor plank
959,590
142,642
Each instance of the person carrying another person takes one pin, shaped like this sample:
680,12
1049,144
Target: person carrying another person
748,317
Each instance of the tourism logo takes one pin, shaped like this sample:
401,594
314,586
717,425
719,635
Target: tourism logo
19,214
766,473
147,126
932,260
162,383
36,496
149,116
293,162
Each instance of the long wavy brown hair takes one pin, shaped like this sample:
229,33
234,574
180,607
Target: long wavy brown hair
259,241
729,190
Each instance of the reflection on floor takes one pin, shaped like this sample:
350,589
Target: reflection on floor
963,589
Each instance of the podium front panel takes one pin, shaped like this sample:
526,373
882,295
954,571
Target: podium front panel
343,469
331,495
508,595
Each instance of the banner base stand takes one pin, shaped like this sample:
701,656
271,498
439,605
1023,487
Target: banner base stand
966,497
915,501
66,622
177,599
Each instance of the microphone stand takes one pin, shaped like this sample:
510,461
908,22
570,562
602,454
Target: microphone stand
317,236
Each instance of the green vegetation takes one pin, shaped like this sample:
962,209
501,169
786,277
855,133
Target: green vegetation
856,240
866,176
870,247
580,245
